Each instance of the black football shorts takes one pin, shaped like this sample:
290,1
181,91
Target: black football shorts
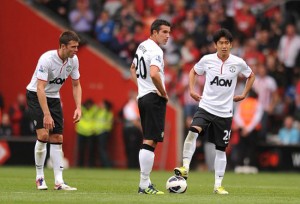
216,129
152,109
37,115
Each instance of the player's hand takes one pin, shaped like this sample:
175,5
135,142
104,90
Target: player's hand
77,115
195,96
48,122
163,96
238,98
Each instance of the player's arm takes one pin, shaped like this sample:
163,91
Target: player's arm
48,120
192,81
154,74
77,94
133,73
247,88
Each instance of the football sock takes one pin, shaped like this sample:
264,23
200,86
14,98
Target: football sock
220,166
189,148
56,155
146,159
40,152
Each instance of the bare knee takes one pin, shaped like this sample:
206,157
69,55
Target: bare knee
150,143
42,135
56,139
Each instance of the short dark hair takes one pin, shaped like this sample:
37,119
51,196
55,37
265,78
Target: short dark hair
68,36
223,32
157,23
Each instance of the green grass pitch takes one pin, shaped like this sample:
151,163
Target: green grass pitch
17,185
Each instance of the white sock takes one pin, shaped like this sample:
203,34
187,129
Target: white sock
56,155
146,159
40,152
220,166
189,148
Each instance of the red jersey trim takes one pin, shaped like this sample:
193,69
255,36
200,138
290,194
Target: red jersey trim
42,80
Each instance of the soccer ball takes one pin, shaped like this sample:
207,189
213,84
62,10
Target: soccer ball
176,184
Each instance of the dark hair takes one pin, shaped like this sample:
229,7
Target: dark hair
88,103
223,32
157,23
107,104
68,36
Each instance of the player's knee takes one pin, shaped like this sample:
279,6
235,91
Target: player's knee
195,129
192,135
220,148
56,139
43,137
148,147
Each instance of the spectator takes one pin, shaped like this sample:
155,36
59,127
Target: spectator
85,131
189,23
139,35
252,55
111,6
247,118
132,131
288,50
167,13
245,21
5,126
104,120
104,29
82,18
289,133
297,101
60,7
16,112
266,88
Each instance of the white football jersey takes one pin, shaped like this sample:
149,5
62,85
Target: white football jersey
52,69
221,78
148,53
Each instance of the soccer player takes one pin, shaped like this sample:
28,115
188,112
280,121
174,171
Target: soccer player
43,99
147,71
214,114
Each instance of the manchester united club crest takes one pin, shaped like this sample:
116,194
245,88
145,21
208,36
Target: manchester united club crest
232,69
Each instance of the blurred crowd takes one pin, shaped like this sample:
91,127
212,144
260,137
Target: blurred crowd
265,36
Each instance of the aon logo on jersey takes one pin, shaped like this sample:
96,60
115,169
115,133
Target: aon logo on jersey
221,82
58,81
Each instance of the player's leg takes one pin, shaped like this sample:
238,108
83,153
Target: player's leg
57,158
56,141
220,167
40,152
189,148
201,120
152,110
221,128
40,149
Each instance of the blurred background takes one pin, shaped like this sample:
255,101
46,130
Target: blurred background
266,36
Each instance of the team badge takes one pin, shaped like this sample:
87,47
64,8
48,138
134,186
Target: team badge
232,69
69,68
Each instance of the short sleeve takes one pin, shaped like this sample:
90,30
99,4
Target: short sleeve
245,69
43,67
157,60
199,67
75,71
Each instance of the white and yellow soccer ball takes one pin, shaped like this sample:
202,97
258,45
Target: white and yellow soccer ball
176,184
